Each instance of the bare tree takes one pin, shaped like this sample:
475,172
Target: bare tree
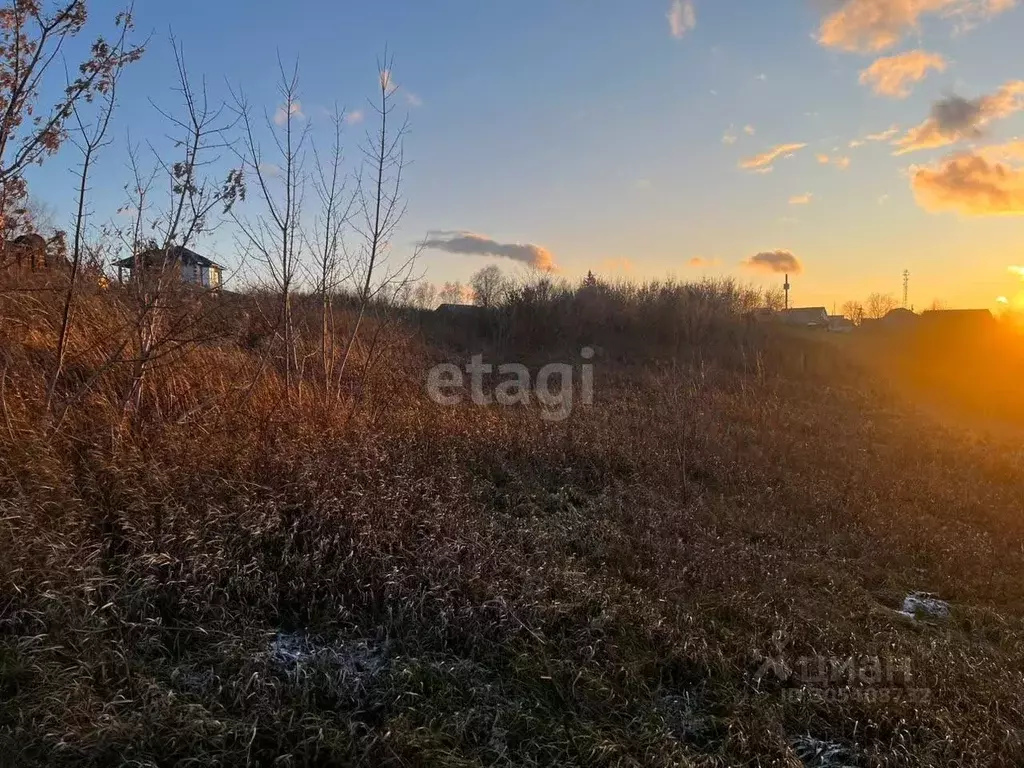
424,295
380,208
854,312
879,305
489,286
199,133
326,244
452,293
89,139
31,41
274,237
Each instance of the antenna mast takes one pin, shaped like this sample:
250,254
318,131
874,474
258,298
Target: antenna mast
785,287
906,286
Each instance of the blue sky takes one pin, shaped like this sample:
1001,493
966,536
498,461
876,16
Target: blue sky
595,132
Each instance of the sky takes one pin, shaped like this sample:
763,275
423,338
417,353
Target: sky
842,140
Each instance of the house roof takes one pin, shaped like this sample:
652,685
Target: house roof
804,315
178,253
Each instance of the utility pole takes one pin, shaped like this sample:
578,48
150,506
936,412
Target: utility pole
785,287
906,286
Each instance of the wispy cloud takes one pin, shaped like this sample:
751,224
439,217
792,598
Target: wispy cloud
955,118
682,18
764,161
749,130
871,26
281,115
730,137
355,117
883,135
803,199
470,244
892,76
842,163
700,262
774,261
985,182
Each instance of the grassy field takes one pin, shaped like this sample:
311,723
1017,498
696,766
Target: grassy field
706,567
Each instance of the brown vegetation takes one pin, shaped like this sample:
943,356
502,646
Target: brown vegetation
234,577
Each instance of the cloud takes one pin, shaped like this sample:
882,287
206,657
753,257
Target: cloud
413,100
892,76
803,199
699,262
763,162
774,261
871,26
973,183
842,163
749,130
729,137
281,116
468,243
955,118
1018,271
856,143
682,17
355,117
883,135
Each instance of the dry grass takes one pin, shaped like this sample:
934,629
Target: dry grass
236,581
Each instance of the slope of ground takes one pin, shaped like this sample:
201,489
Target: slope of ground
706,567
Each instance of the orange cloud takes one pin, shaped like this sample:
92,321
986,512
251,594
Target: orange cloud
972,184
842,163
763,162
871,26
700,261
801,199
682,17
955,118
891,76
774,261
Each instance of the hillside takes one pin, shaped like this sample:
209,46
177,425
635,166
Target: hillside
705,567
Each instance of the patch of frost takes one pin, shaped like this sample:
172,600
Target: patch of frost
924,604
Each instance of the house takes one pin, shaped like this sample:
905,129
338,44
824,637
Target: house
899,318
192,268
840,324
805,317
27,252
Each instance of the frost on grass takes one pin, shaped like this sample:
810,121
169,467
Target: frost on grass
924,605
815,753
349,664
684,718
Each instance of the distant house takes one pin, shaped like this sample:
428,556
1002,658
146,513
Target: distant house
840,324
192,268
899,318
29,252
805,317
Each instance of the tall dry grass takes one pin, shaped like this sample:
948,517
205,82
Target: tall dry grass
228,578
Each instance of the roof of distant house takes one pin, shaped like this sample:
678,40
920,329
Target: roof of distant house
804,315
178,253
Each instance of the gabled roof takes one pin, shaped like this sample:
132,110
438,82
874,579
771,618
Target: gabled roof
804,315
178,253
